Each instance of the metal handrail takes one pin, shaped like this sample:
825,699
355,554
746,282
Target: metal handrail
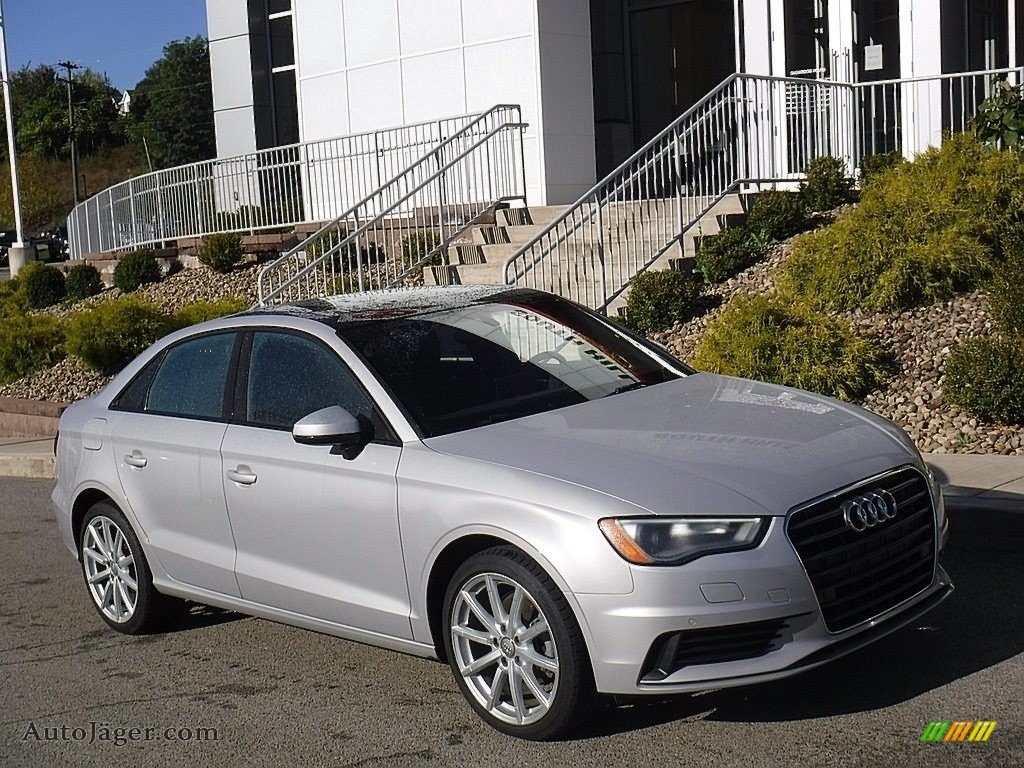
247,193
299,277
750,129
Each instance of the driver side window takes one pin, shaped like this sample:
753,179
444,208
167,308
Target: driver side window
290,376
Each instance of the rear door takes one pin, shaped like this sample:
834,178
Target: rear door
317,533
167,447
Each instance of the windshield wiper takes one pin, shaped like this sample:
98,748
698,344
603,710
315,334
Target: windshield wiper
627,387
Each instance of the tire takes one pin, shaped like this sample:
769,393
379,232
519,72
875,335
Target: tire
106,539
523,668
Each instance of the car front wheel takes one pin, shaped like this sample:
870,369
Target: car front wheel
116,573
515,647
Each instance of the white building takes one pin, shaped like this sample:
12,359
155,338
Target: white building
595,78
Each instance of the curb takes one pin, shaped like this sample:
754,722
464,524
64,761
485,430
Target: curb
38,466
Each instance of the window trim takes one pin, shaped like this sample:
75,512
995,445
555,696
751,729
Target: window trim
227,396
241,390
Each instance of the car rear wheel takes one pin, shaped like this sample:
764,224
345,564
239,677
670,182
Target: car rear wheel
117,576
515,647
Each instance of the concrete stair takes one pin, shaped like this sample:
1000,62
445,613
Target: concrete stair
633,227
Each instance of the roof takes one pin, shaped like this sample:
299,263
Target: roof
394,303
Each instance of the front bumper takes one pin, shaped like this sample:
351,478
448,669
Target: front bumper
759,585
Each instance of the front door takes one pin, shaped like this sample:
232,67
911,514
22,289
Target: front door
317,533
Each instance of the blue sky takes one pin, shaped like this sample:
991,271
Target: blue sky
118,37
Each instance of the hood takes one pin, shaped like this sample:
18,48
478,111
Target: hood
703,444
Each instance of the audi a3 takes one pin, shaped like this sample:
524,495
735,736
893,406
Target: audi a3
503,480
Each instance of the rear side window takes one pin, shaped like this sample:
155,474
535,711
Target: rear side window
192,378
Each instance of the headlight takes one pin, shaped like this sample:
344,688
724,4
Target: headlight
676,540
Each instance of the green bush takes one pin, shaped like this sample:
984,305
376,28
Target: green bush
201,311
985,377
778,215
827,186
1007,286
999,120
43,284
28,344
83,281
419,244
660,298
769,339
135,269
923,232
12,300
872,166
723,255
109,336
221,251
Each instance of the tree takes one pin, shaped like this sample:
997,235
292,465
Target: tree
41,112
172,106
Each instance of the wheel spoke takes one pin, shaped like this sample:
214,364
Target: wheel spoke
482,663
495,599
497,685
475,635
532,631
100,547
93,554
515,619
108,543
538,660
99,576
130,582
481,613
116,601
105,595
126,562
534,686
126,599
515,684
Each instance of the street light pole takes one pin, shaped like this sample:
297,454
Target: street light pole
17,252
71,67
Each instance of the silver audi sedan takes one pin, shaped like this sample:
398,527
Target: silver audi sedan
504,480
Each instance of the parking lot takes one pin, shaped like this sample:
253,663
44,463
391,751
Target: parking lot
222,689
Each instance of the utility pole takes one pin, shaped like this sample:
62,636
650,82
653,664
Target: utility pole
70,66
18,252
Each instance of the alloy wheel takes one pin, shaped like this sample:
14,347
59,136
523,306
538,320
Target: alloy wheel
110,570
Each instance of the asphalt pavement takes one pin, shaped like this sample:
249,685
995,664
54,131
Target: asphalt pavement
222,689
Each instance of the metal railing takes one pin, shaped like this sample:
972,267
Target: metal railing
279,187
749,130
386,238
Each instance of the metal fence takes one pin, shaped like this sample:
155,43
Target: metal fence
749,130
388,236
279,187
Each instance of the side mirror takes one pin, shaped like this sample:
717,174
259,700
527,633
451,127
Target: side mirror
330,426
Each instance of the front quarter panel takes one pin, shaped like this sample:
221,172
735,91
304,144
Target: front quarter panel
443,498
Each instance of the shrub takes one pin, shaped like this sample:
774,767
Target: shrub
12,300
985,377
660,298
83,281
778,215
107,337
827,186
767,338
1007,286
43,284
28,344
723,255
923,232
419,244
872,166
999,120
135,269
201,311
222,251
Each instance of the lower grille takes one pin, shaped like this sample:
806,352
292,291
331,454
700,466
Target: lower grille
675,650
859,575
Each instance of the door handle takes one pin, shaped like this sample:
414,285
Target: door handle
135,459
242,475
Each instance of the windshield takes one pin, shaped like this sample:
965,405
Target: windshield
463,368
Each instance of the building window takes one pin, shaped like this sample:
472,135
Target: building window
272,38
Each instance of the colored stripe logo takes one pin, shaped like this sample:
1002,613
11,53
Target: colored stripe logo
959,730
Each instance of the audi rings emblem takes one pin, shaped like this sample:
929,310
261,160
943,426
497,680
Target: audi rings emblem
868,510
